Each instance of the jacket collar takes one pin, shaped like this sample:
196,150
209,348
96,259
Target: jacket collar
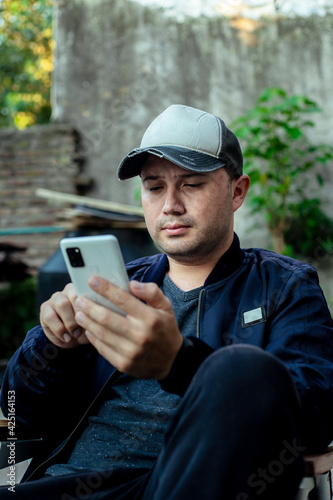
228,263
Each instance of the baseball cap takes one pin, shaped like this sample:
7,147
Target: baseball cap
188,137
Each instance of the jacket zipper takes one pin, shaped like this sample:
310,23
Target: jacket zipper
199,311
73,431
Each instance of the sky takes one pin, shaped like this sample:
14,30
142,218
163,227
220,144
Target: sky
246,8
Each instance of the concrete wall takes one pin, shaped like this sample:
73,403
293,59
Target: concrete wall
119,64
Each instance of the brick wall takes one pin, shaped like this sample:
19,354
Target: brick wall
38,157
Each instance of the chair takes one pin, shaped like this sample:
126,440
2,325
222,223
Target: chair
318,476
317,479
16,450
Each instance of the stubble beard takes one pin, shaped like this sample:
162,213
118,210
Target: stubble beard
187,250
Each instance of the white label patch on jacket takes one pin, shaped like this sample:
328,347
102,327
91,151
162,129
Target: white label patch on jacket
253,317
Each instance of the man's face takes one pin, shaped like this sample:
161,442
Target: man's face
188,215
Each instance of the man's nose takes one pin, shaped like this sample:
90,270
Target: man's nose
173,203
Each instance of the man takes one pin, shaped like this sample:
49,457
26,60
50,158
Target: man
218,377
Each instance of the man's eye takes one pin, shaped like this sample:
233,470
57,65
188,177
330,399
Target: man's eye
194,185
154,188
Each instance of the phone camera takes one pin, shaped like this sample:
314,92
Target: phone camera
75,257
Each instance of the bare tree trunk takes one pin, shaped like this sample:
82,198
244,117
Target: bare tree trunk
278,241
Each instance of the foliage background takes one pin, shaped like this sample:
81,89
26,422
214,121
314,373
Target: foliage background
287,171
18,314
26,62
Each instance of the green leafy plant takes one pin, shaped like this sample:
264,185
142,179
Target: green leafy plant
285,167
26,44
18,313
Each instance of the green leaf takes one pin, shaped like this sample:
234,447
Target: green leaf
277,153
242,132
270,93
294,132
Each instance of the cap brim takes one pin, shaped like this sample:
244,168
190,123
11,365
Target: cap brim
186,158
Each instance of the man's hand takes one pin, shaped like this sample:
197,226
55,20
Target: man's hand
57,317
145,342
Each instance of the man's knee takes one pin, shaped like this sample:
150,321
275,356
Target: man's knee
242,360
248,373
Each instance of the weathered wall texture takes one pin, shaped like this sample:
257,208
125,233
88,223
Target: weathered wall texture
119,64
38,157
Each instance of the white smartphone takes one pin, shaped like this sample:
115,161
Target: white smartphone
88,256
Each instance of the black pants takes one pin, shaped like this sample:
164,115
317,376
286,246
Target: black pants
235,436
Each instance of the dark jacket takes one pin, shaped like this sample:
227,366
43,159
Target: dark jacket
252,296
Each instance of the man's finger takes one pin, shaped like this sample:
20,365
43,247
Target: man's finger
87,310
110,291
151,294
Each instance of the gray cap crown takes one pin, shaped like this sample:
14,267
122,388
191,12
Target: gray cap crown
188,137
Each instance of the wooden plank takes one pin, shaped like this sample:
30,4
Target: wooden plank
90,202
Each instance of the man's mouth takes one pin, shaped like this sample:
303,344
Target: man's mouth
175,229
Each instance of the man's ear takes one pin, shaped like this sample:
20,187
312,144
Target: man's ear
240,188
